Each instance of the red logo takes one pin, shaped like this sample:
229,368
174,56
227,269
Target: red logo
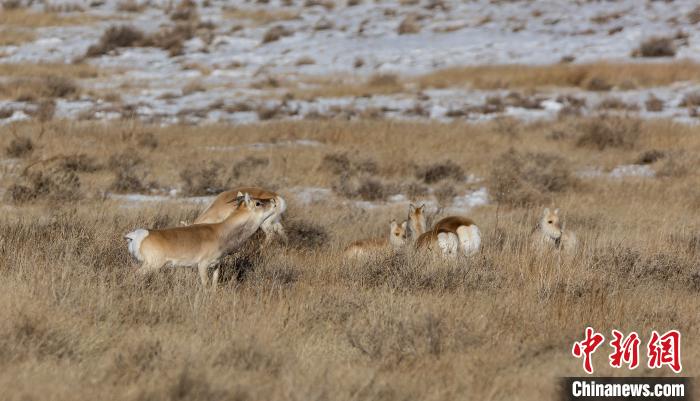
661,349
587,347
665,350
626,351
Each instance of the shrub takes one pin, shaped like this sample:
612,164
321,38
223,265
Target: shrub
656,47
276,33
56,86
52,184
691,99
244,167
694,15
19,147
440,171
522,179
650,156
654,104
409,25
115,37
124,168
80,163
302,235
605,132
202,180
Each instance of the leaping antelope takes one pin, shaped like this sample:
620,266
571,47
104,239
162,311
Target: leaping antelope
220,209
200,244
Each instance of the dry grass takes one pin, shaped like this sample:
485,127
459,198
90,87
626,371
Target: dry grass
298,321
25,70
586,76
260,16
15,36
21,17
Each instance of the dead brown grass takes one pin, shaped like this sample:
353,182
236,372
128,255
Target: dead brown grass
564,75
299,321
260,16
15,36
22,17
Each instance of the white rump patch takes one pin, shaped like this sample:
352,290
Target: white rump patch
134,239
469,239
448,243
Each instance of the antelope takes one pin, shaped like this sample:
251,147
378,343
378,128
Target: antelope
549,233
416,222
200,244
395,240
452,235
220,209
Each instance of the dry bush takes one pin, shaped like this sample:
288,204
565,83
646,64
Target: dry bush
609,132
199,180
12,4
305,60
654,104
650,156
363,187
409,25
126,179
79,163
45,110
50,184
615,103
437,172
522,179
32,89
597,84
243,170
276,33
694,15
323,24
342,164
20,146
305,235
691,99
656,47
114,37
186,10
171,39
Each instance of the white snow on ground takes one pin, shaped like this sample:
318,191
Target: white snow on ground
228,66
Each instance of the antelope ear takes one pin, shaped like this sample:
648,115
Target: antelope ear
421,207
239,195
393,224
403,225
411,208
556,211
546,211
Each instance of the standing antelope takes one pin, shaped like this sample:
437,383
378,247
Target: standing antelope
416,222
396,240
550,234
452,235
200,244
220,209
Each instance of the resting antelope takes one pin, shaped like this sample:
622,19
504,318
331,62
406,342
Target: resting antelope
550,234
395,240
452,235
220,209
200,244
